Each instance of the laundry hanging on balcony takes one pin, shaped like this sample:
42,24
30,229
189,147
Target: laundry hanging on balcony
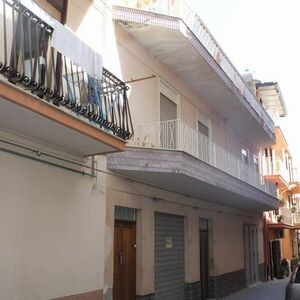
67,43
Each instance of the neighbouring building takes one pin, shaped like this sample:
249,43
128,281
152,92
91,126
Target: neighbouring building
277,167
57,109
175,215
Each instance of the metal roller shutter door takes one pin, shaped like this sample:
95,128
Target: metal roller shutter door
169,257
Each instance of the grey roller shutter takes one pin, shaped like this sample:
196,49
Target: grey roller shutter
169,257
168,109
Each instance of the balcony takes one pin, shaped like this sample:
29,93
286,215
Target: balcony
287,216
284,219
45,96
176,156
199,61
296,220
275,171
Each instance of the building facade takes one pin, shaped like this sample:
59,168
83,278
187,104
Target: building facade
176,214
186,197
277,167
54,115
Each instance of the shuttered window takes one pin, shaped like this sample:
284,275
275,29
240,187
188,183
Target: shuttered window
168,109
203,129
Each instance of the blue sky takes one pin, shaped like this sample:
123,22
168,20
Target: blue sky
262,36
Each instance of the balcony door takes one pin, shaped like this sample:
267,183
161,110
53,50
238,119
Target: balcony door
203,126
31,58
56,8
168,123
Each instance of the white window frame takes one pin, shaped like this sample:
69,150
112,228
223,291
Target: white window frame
205,120
165,89
246,162
256,158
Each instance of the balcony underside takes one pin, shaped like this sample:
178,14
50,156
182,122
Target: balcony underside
26,114
184,174
280,226
170,41
295,187
278,180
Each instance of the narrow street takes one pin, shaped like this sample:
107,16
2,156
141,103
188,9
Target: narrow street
274,290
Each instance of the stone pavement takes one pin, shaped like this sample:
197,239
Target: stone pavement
273,290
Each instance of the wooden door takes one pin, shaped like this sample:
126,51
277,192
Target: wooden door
124,261
276,256
251,253
204,263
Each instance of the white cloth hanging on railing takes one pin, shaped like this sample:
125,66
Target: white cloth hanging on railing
67,43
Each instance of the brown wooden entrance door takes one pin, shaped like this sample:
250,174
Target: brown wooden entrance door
124,261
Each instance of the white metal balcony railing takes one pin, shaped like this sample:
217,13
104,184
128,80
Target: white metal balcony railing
275,166
296,218
176,135
287,216
182,9
296,173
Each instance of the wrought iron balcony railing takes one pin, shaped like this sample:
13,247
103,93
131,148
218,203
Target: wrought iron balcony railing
28,60
176,135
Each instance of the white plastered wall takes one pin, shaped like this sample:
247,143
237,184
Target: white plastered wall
136,62
51,228
226,231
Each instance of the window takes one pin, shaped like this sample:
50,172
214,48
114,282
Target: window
256,163
245,155
203,129
168,117
286,160
168,109
55,8
204,134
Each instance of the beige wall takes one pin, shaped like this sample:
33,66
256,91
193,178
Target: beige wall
226,236
52,230
136,62
126,58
